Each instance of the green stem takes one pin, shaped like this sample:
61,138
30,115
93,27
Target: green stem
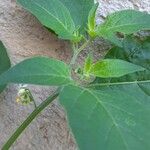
84,45
77,51
75,55
34,102
29,119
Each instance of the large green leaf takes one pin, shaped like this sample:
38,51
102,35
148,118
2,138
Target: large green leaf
126,21
107,68
115,118
4,62
62,16
52,14
38,70
114,113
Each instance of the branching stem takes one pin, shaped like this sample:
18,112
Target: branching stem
77,51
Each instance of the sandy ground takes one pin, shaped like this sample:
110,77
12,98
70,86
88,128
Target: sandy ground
24,37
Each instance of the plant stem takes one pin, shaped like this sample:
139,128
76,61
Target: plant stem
29,119
34,102
77,51
75,55
84,45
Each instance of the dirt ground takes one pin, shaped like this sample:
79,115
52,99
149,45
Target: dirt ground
24,37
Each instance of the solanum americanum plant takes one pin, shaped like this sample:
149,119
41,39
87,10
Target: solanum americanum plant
112,111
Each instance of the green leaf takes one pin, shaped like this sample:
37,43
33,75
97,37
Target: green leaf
115,41
115,118
52,14
92,20
135,51
4,62
38,70
126,21
62,16
113,68
79,10
113,113
87,65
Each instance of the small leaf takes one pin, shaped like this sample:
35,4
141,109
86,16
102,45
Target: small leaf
38,70
4,62
126,21
87,65
92,21
113,68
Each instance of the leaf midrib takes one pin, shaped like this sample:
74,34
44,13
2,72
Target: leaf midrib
109,115
118,83
54,16
53,75
39,75
113,28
